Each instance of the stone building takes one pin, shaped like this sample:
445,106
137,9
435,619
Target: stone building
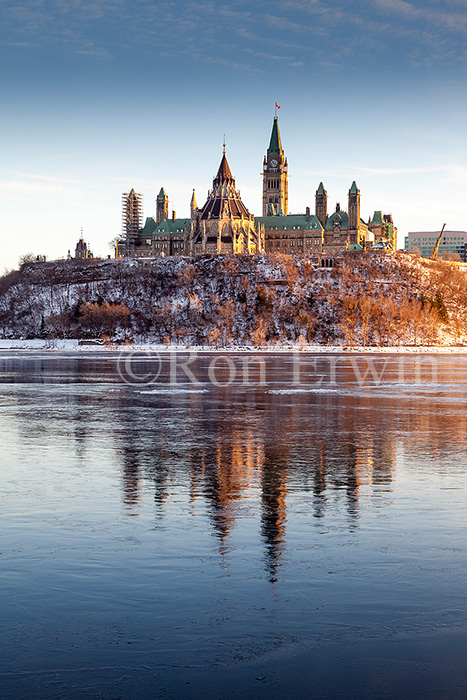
223,225
319,232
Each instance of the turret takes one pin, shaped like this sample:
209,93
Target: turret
193,205
354,206
162,206
321,204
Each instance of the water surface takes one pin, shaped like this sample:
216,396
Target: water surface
293,527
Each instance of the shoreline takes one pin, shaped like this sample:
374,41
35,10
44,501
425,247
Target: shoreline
75,345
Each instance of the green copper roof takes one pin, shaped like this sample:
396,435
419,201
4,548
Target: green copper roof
354,188
321,189
355,246
290,222
343,216
173,226
275,145
161,194
149,227
168,226
377,218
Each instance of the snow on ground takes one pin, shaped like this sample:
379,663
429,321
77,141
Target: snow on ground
83,346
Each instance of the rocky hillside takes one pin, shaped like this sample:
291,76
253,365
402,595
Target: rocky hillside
366,299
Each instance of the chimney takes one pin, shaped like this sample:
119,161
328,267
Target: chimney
307,214
174,215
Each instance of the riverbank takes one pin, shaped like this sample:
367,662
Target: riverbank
68,344
273,301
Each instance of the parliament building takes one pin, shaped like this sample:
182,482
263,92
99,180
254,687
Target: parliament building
223,225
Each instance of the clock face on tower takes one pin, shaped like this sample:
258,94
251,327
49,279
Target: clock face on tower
273,163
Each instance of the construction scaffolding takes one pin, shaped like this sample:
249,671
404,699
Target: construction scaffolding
132,218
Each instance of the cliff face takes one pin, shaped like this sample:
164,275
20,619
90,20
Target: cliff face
366,299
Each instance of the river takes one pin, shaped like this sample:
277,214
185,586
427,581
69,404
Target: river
233,526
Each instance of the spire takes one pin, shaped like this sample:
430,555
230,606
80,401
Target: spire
194,203
275,145
223,174
354,188
161,194
320,189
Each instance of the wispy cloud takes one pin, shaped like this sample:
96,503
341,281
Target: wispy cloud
456,21
293,32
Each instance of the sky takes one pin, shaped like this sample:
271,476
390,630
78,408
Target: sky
99,96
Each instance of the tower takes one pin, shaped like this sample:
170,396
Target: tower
275,175
321,204
162,207
132,216
354,206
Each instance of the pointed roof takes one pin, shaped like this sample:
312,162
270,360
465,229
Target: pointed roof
194,203
161,194
275,145
223,174
354,188
224,201
271,209
321,189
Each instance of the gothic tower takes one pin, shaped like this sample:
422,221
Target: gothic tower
275,176
162,207
354,206
321,204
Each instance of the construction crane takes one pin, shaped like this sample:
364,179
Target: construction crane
435,249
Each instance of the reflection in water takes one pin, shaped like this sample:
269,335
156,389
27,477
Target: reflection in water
273,513
224,446
275,522
223,457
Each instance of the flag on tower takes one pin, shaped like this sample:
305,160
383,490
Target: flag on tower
277,106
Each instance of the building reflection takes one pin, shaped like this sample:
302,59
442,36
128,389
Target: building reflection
238,456
273,511
259,449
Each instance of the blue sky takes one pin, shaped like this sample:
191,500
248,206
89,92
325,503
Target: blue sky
99,96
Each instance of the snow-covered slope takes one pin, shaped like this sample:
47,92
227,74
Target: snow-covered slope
366,299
